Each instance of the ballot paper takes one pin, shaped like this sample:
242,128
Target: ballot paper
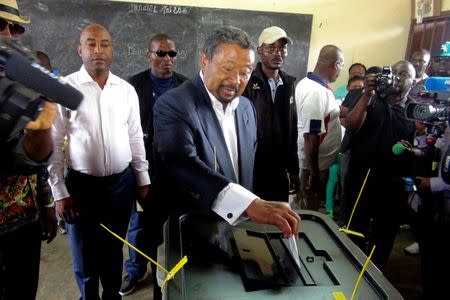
291,245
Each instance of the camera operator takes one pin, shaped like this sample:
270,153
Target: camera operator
434,227
25,199
375,124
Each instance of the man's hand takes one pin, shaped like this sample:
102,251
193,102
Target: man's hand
313,182
424,184
142,192
274,213
370,84
48,220
38,141
65,209
294,183
45,118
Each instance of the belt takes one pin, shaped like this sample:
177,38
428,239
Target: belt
100,179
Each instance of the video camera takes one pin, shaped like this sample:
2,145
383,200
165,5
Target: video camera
433,109
434,112
24,88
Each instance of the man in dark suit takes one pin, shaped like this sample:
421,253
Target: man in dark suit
205,139
150,85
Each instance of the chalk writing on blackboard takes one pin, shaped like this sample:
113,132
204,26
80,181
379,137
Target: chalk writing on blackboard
159,9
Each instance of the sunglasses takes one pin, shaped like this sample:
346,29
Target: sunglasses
162,53
14,29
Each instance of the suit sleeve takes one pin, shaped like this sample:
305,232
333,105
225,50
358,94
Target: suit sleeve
180,165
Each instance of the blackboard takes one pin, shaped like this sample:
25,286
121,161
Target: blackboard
56,24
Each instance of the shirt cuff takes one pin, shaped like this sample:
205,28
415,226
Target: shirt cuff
231,203
142,178
60,191
50,205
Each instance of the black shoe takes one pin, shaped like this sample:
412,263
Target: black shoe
62,227
128,285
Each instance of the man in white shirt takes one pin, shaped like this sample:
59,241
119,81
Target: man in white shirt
421,61
319,130
205,139
105,155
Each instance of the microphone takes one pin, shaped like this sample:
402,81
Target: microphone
399,149
19,68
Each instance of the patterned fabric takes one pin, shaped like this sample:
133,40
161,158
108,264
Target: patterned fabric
21,197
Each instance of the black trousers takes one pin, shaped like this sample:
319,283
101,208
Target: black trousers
96,254
20,254
377,215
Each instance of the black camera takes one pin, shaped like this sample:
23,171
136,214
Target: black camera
24,89
385,80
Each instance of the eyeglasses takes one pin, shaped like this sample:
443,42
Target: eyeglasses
14,29
162,53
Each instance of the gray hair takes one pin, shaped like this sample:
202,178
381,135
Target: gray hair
226,35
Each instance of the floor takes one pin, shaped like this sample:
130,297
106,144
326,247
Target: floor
57,281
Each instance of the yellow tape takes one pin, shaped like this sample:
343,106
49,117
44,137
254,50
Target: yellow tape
338,295
346,229
358,281
174,270
170,274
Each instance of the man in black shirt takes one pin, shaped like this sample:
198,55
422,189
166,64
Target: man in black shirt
271,91
375,124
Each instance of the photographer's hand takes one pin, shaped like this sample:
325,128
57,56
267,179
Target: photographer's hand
408,147
357,116
370,85
424,184
45,119
38,141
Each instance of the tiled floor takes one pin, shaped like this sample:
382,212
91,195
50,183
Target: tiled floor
57,281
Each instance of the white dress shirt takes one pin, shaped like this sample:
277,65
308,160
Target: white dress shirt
234,199
104,134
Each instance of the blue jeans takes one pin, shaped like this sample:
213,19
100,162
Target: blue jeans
136,265
96,254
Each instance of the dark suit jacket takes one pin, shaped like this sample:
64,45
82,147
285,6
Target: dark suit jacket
187,139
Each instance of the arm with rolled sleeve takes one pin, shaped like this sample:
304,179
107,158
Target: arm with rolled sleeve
138,161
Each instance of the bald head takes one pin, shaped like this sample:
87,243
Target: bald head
96,50
94,28
330,63
329,54
405,72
